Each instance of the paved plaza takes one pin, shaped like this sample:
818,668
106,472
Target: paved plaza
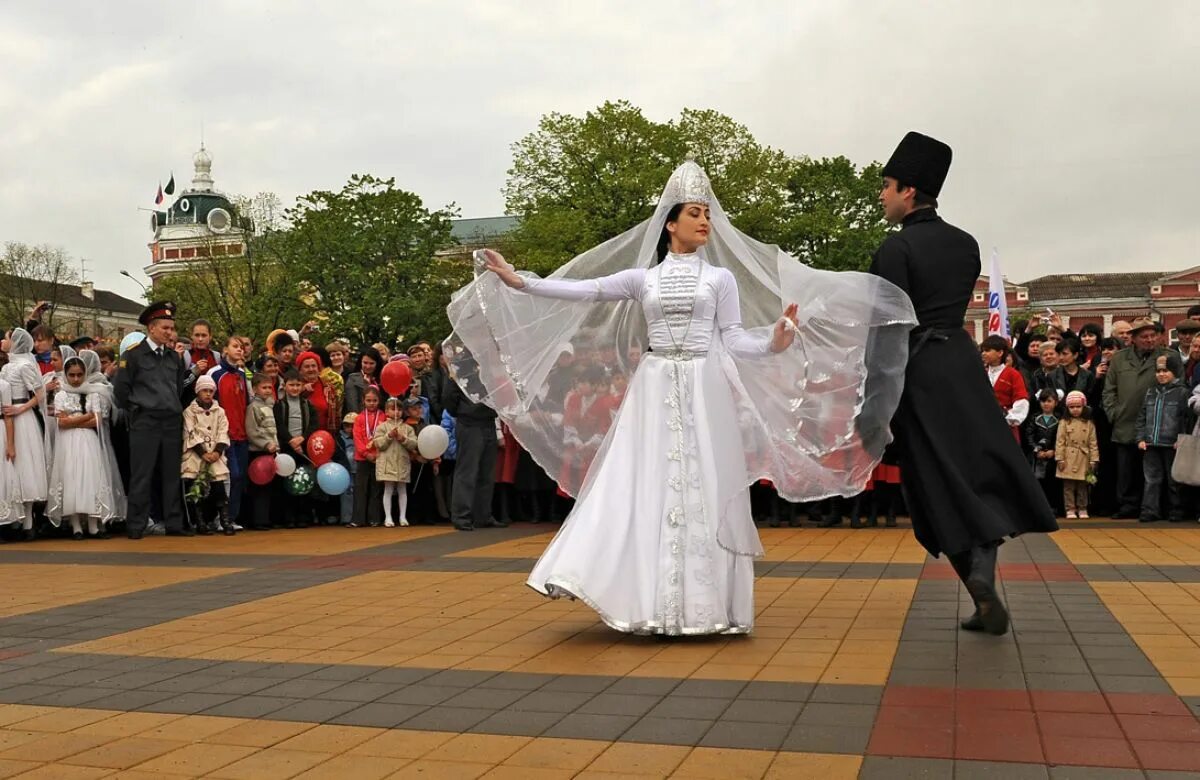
419,652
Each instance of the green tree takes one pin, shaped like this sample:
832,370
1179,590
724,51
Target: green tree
30,275
832,218
365,261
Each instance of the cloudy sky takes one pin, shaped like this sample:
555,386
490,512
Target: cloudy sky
1076,126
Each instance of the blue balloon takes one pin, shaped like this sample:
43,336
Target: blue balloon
333,479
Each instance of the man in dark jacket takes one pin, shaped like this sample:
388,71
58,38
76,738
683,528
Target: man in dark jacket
475,469
966,483
1130,375
150,380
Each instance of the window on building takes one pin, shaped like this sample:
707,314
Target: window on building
979,297
1022,295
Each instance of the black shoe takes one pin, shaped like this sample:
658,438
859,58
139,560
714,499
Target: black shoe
829,521
1125,513
101,534
202,529
135,535
973,623
498,524
891,521
1148,519
29,535
77,536
180,532
458,527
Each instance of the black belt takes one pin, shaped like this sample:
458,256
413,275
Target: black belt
918,338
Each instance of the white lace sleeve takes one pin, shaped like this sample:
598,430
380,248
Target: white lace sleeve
729,321
623,285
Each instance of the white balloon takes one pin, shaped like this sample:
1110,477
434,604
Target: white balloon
285,465
432,442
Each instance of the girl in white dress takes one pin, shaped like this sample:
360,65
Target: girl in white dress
661,538
81,481
12,507
28,393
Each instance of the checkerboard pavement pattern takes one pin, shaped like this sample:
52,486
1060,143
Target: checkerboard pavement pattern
326,653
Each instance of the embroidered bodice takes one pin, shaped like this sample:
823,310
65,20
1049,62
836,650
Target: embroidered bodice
685,300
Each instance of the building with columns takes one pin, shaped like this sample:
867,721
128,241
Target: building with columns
201,223
1096,298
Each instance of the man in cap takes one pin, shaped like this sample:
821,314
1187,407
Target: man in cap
82,343
1130,375
1186,331
966,483
149,382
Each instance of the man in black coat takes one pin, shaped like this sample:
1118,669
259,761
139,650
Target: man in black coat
475,467
150,380
967,485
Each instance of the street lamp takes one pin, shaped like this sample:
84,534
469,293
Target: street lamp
145,290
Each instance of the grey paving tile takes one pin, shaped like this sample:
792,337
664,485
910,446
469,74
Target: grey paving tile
886,768
928,678
998,770
302,688
347,673
619,704
689,708
188,703
1123,667
27,674
744,735
314,710
578,725
456,719
521,723
460,678
1132,684
756,711
185,683
420,693
239,685
860,716
991,680
1036,681
847,694
544,700
359,691
518,681
717,689
580,683
1093,773
650,686
777,691
485,698
667,731
378,714
251,706
398,676
18,694
808,738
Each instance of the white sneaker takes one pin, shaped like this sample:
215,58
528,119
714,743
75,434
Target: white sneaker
1082,514
388,523
403,523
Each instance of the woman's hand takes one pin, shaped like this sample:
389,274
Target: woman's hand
785,329
10,452
496,263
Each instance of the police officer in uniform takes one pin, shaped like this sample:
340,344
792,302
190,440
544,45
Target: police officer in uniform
967,485
149,384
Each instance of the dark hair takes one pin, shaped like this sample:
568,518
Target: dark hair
260,378
1193,311
43,332
103,351
1069,344
1036,337
995,343
1093,329
1110,342
292,375
282,340
267,358
664,238
372,390
1047,394
372,353
205,323
70,361
920,199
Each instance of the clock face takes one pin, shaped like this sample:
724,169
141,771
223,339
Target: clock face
218,220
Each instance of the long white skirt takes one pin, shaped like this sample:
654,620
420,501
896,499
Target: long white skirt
12,506
645,546
79,478
31,456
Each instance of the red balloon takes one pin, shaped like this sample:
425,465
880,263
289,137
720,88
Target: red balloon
396,378
262,469
320,448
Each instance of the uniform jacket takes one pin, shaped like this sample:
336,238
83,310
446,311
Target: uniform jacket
1076,448
1163,414
147,382
394,463
204,430
261,430
1130,375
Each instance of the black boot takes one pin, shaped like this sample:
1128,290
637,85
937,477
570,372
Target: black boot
990,613
832,516
775,510
226,523
202,528
888,496
856,513
504,508
962,567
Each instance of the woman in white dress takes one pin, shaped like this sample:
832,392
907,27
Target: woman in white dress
12,506
84,483
661,538
29,393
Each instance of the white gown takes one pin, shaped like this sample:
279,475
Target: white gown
12,504
649,544
24,379
79,480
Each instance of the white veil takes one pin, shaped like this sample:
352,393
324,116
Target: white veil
813,419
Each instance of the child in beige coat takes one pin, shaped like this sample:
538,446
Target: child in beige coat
1078,452
395,440
205,471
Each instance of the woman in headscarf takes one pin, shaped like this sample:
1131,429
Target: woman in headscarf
32,447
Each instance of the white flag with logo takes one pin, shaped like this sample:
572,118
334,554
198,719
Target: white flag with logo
997,303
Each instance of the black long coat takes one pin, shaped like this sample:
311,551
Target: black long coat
964,477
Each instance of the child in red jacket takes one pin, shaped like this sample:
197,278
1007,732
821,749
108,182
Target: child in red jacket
368,493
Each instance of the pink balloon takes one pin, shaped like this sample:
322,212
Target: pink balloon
262,469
